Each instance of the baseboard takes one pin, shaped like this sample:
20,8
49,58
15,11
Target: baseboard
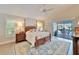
6,42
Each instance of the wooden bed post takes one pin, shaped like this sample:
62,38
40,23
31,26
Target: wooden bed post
50,37
36,43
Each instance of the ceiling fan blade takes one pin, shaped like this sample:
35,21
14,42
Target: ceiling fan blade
45,9
50,9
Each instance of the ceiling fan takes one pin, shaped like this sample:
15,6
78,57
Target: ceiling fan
45,9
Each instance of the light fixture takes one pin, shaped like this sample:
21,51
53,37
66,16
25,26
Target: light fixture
40,25
19,27
78,23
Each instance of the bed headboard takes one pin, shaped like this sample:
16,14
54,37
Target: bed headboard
27,28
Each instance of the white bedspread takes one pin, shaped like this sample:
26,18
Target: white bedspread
30,36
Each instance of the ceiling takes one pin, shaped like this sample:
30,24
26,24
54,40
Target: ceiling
33,10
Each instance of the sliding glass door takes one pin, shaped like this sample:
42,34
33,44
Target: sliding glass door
63,29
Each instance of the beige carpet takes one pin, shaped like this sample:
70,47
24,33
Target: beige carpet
7,49
14,49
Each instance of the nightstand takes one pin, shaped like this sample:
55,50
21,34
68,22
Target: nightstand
20,37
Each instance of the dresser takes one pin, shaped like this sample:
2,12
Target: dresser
20,37
75,45
75,41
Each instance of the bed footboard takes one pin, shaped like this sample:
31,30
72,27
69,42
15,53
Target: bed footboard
42,41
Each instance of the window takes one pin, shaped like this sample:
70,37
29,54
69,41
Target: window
10,28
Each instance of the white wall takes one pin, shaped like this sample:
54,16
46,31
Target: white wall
2,26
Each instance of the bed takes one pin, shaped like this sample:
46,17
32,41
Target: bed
34,38
37,38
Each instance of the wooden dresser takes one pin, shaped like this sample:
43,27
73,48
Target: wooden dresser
75,45
20,37
75,41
